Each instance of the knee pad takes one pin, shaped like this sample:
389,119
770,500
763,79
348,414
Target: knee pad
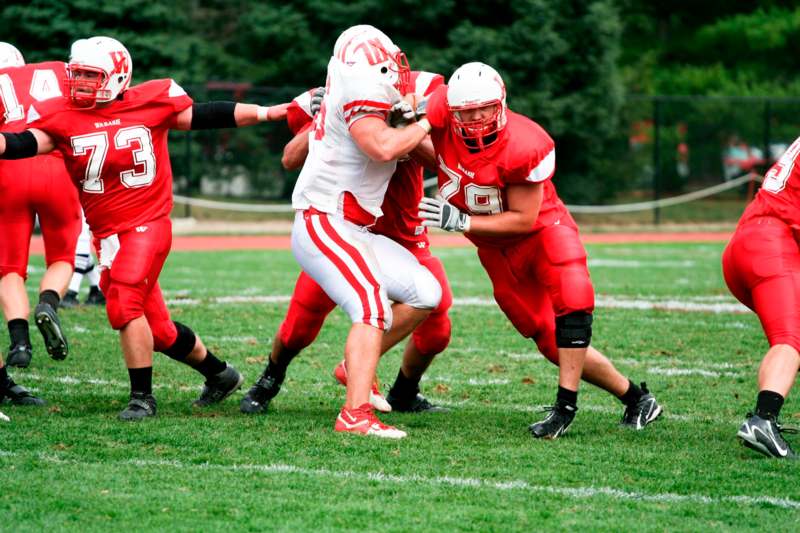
183,344
574,330
433,335
427,291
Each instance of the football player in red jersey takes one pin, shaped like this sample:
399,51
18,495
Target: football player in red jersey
761,265
310,305
114,141
42,187
495,169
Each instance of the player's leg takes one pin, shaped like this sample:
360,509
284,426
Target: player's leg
337,255
428,339
56,202
762,268
85,266
14,393
307,311
16,226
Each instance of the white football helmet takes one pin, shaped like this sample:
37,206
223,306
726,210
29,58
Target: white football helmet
367,48
100,69
472,86
10,56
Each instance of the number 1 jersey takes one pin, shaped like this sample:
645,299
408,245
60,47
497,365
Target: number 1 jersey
117,154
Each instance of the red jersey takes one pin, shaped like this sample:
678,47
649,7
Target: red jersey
400,204
117,154
779,195
475,181
21,87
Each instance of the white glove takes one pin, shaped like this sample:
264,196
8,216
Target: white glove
440,214
401,114
316,100
4,418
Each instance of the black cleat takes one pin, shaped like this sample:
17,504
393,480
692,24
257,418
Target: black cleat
415,404
219,387
50,327
140,406
555,424
18,395
258,397
644,411
95,297
19,355
69,300
764,436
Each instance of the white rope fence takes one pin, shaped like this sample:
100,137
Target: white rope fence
584,209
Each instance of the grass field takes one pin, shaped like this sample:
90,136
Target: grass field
73,466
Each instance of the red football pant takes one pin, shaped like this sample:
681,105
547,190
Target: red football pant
30,187
761,265
131,284
310,306
538,279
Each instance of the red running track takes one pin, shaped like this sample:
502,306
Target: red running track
283,242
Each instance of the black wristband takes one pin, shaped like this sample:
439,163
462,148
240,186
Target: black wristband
213,115
20,145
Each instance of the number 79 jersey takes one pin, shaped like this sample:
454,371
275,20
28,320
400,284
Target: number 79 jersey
117,154
476,181
779,195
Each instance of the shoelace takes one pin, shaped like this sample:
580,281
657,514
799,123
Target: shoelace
780,427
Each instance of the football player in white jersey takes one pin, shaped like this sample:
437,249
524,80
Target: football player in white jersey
85,266
352,154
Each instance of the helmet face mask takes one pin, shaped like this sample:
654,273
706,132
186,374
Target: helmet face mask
476,86
100,69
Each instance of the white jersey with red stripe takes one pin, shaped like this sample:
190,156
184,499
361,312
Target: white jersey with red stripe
335,164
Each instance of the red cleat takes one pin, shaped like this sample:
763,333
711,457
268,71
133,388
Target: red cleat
375,397
363,420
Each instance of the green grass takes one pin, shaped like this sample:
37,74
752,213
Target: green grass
73,466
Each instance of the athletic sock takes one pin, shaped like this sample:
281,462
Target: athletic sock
75,282
404,387
768,404
93,276
276,370
210,366
567,397
632,395
19,332
49,297
141,379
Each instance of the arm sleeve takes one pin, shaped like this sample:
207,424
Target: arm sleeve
20,145
213,115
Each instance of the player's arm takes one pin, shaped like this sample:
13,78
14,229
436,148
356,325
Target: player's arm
296,151
29,143
524,203
382,143
218,115
425,155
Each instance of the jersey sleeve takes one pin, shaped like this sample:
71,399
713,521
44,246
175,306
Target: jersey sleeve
534,160
364,98
175,97
427,82
297,114
45,116
437,111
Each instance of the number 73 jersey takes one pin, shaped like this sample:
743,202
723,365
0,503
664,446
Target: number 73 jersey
117,154
476,181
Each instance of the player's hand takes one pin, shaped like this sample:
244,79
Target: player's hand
316,100
437,213
401,114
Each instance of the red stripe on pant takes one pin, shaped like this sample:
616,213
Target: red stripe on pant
345,271
359,261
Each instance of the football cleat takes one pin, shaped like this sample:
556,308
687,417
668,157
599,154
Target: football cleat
18,395
19,355
219,387
764,436
644,411
258,397
140,406
416,404
556,423
69,300
95,297
362,420
375,397
50,328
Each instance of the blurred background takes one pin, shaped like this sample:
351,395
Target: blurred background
645,99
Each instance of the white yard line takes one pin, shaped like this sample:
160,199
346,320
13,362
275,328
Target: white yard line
610,302
583,492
